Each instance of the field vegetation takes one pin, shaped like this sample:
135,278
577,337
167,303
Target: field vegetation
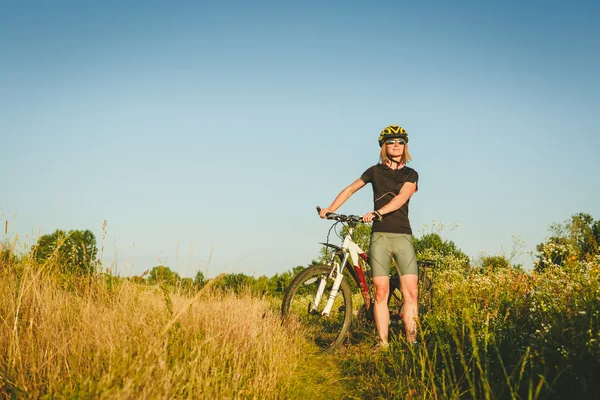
71,329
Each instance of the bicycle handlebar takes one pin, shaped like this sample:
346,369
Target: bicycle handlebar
341,217
357,218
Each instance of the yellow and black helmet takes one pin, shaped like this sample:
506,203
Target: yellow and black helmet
391,132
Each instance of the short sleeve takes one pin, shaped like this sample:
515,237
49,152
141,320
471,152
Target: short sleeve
367,176
413,177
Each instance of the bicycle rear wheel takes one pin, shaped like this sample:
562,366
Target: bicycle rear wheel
425,286
325,332
425,293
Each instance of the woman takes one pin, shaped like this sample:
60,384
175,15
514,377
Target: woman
393,185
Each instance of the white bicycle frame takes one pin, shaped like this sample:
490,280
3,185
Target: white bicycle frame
351,250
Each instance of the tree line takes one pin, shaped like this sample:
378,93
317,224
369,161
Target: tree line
75,252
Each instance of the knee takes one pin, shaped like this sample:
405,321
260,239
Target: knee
410,295
381,294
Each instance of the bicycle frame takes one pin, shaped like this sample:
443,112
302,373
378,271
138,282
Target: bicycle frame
320,299
349,251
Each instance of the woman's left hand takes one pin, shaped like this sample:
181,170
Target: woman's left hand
369,217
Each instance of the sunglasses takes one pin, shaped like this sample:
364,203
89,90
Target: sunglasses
392,141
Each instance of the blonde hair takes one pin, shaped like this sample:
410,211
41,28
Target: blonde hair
404,158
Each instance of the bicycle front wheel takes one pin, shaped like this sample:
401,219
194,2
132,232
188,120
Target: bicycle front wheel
301,303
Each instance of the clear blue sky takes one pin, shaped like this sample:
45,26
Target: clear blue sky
205,133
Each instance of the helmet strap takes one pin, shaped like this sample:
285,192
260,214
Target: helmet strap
392,160
398,163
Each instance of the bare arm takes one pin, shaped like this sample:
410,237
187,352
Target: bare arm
398,201
342,197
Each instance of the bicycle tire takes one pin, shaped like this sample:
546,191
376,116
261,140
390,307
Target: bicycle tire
326,333
425,294
425,301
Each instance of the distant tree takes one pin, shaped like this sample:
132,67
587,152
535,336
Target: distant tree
7,254
199,280
297,269
236,283
187,285
74,251
584,233
445,252
163,275
137,279
495,262
261,286
434,242
574,241
279,282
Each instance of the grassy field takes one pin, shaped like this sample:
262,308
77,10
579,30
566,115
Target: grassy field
493,334
102,337
502,334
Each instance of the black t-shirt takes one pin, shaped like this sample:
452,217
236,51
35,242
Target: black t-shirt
387,183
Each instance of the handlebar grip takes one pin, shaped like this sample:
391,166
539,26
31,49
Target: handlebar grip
326,215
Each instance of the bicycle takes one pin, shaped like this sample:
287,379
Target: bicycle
320,297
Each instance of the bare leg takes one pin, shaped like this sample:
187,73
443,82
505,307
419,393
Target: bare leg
410,293
380,308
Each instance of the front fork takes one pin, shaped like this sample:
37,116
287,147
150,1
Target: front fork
339,270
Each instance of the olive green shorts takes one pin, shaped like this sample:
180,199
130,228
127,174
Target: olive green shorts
385,246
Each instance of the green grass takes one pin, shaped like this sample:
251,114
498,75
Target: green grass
499,334
502,334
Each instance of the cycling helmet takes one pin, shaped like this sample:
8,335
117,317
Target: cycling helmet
391,132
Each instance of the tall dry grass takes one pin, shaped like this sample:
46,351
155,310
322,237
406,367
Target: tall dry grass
106,337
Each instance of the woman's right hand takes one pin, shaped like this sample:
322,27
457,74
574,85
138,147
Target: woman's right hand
324,211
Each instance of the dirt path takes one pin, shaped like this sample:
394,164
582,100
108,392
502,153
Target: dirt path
320,377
